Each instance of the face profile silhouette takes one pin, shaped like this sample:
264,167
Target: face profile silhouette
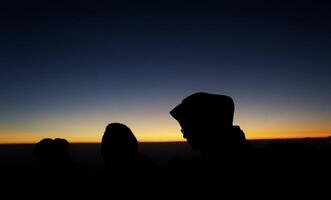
206,122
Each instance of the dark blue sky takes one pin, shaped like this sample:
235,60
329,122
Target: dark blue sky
122,61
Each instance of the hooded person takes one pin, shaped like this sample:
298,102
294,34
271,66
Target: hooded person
206,122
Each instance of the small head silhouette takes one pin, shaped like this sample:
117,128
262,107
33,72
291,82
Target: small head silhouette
51,153
205,117
118,144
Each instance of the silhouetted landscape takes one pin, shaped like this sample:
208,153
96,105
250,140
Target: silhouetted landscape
19,156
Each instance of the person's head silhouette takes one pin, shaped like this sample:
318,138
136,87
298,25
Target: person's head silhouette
120,152
207,120
51,153
118,144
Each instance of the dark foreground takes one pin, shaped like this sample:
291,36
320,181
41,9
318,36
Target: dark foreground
274,164
19,156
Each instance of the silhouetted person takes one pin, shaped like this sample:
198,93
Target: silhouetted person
120,152
53,160
55,168
206,122
56,172
52,154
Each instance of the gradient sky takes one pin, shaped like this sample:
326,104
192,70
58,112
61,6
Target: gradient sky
69,69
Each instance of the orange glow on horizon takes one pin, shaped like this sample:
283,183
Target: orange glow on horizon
156,128
95,138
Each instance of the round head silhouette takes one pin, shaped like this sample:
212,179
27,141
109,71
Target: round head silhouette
49,152
118,143
204,117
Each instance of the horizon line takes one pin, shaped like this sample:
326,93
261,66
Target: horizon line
177,141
